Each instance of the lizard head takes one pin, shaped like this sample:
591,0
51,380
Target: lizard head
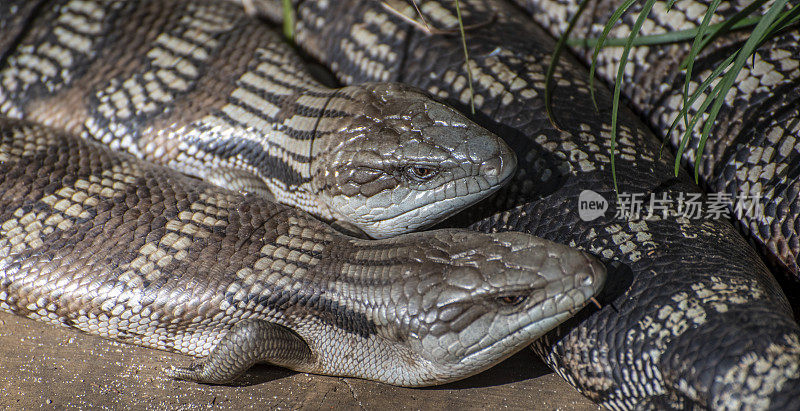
401,161
442,305
495,299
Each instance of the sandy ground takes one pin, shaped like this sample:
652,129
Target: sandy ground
46,367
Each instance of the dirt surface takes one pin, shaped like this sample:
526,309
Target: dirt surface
46,367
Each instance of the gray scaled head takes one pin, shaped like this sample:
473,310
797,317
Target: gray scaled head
397,161
492,295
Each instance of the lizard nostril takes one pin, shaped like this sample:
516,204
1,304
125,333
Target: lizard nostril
501,166
584,280
491,168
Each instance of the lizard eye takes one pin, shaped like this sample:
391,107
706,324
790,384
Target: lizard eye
512,300
420,173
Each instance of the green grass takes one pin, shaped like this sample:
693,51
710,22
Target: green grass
288,20
762,27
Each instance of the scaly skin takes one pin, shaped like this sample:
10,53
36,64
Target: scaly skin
692,316
200,87
114,246
753,148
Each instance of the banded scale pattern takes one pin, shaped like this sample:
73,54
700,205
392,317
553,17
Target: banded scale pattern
202,88
117,247
753,148
692,316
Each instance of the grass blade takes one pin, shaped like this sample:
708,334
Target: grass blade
785,20
759,33
288,20
695,118
728,25
694,51
655,39
609,25
697,93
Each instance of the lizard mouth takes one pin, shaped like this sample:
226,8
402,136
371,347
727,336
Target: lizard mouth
436,210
